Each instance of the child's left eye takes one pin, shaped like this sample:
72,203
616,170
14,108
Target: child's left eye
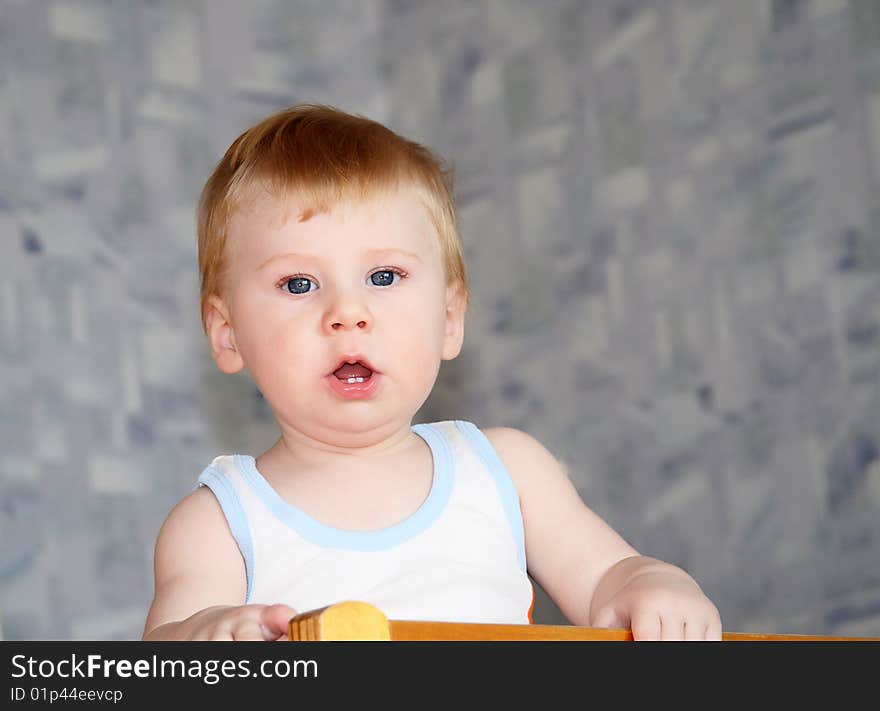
385,277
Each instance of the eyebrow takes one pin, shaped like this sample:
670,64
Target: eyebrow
372,253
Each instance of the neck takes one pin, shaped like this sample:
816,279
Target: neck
326,449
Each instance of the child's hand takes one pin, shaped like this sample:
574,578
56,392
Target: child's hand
656,600
241,622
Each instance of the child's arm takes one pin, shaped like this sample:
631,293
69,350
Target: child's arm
593,575
200,581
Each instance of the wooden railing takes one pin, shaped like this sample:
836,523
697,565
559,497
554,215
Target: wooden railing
360,621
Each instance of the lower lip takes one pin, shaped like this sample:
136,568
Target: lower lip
355,391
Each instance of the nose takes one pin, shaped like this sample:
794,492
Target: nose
347,314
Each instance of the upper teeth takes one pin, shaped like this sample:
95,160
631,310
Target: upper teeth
355,380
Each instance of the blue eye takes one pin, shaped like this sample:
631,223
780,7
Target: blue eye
385,277
298,285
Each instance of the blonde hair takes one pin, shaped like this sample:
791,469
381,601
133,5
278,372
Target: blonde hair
325,156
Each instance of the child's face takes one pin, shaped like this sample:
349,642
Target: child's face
364,278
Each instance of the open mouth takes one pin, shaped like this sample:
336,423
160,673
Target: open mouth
353,372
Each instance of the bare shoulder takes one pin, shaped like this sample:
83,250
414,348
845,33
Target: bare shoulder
195,529
526,459
197,515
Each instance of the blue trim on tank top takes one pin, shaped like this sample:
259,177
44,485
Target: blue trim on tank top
330,537
506,488
224,492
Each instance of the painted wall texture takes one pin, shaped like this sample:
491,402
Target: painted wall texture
670,211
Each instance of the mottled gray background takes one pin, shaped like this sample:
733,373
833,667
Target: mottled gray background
670,211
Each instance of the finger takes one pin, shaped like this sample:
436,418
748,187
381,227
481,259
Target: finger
275,621
672,629
694,631
713,630
646,627
608,618
248,629
219,633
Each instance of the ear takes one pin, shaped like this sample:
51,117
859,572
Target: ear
222,336
456,306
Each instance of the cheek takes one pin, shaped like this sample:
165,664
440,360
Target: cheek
421,307
416,326
267,335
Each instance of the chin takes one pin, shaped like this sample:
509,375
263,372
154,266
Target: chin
352,422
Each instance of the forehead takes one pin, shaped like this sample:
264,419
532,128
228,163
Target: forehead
266,225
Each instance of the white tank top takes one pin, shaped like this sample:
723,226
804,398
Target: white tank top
460,557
